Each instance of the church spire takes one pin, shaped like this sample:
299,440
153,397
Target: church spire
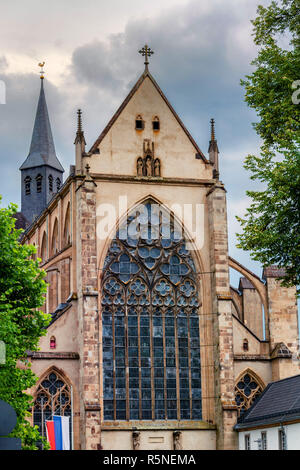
213,150
42,149
41,172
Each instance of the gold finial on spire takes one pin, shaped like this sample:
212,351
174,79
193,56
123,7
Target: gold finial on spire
146,52
41,64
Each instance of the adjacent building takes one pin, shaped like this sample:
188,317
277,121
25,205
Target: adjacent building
273,421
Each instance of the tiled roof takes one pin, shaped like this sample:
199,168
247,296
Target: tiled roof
280,402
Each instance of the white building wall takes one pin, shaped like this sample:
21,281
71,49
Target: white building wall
292,436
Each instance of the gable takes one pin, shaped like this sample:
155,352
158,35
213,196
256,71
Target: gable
120,144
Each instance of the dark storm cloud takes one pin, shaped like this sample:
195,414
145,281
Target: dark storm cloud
202,50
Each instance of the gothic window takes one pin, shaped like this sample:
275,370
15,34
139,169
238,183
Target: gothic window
53,397
58,184
50,178
43,253
54,247
67,234
245,345
52,342
27,182
156,124
150,323
39,183
247,390
139,123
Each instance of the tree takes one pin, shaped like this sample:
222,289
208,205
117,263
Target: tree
271,227
22,287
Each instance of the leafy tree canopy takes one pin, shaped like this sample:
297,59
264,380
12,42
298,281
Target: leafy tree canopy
271,227
22,289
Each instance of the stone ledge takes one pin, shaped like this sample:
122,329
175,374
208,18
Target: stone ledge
92,407
251,357
156,425
53,355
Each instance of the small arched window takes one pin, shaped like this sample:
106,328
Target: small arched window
139,123
50,178
39,183
44,248
58,183
156,124
67,232
27,182
245,345
247,390
54,245
52,342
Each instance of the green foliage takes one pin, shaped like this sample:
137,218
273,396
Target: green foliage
22,287
271,227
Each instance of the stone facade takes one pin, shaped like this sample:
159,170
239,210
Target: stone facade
73,249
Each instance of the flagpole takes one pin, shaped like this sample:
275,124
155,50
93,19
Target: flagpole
72,430
42,400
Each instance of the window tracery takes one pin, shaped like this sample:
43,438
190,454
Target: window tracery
53,397
150,326
247,390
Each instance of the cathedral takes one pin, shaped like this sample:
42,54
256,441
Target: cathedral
149,346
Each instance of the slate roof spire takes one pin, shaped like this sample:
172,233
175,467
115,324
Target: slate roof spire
42,149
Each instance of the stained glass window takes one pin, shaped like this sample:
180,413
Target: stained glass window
150,323
53,397
247,390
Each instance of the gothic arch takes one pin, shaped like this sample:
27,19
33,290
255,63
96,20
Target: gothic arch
248,387
43,252
150,322
52,396
152,199
67,227
54,239
256,282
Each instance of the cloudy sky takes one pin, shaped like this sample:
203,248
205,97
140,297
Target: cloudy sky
202,50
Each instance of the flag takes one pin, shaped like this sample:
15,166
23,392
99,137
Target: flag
50,434
58,433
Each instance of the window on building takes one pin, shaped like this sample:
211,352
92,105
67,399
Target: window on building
156,124
50,178
264,444
52,342
150,324
247,442
39,183
53,397
245,345
55,246
282,439
247,390
67,231
58,184
43,252
27,182
139,123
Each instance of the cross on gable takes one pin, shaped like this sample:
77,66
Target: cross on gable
146,52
